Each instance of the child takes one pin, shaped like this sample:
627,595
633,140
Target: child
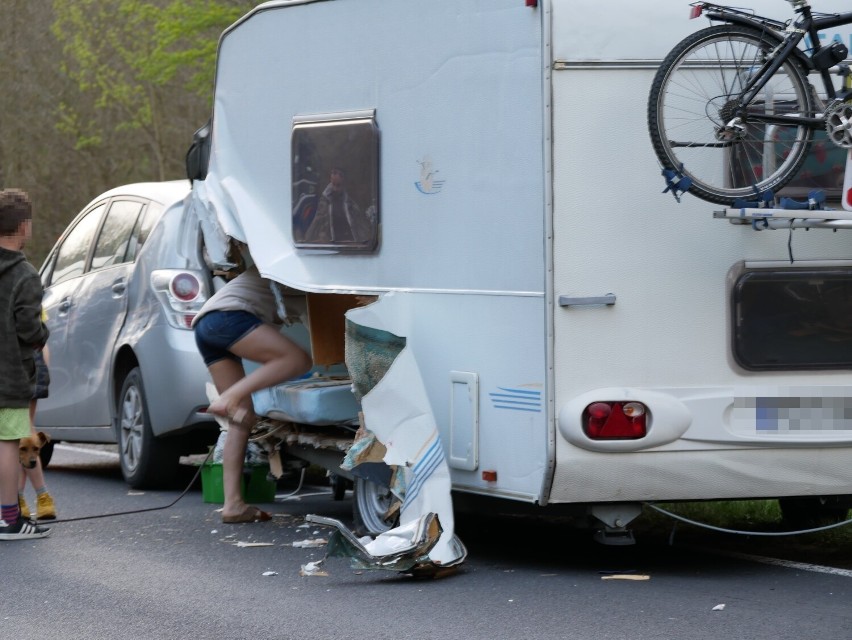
21,331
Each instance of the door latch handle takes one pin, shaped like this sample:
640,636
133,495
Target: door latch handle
587,301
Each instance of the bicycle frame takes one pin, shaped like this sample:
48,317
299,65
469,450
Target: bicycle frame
788,44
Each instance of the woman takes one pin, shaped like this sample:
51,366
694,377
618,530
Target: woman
240,321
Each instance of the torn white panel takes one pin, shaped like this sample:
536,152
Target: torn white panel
215,239
398,412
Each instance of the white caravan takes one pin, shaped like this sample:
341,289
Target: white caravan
483,169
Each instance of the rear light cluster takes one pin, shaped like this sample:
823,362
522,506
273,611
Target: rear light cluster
181,292
615,420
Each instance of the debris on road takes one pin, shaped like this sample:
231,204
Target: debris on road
310,542
313,569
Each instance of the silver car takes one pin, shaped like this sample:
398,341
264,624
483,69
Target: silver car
122,286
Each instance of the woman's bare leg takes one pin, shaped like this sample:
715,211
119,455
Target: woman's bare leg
280,359
225,374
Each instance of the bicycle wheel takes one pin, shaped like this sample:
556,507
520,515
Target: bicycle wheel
693,97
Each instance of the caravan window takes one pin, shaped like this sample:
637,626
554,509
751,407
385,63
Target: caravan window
793,319
335,181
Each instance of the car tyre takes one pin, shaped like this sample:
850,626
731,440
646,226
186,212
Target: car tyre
146,461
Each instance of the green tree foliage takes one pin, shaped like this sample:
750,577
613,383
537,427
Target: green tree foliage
134,61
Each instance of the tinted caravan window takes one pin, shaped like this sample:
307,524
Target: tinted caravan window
335,183
793,319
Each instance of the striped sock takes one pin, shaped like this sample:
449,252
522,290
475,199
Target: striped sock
41,491
9,513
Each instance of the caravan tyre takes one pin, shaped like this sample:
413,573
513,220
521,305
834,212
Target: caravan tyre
371,505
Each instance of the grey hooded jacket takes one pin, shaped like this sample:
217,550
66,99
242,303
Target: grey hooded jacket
21,328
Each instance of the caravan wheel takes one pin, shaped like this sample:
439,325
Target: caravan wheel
373,508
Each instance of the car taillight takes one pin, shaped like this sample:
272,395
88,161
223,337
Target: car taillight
615,420
181,293
185,287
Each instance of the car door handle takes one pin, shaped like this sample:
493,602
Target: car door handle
65,305
119,287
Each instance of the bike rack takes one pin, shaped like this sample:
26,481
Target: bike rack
771,218
812,217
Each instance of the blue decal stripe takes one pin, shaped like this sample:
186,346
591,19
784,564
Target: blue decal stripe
502,406
523,403
513,395
524,391
424,468
414,489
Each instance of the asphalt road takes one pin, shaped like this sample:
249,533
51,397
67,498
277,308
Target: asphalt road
180,573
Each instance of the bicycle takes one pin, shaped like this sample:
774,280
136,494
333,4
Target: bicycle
731,107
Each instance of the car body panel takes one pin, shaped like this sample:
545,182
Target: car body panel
109,320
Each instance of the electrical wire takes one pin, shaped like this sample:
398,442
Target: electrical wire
704,525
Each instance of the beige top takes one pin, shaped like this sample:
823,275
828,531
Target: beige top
247,292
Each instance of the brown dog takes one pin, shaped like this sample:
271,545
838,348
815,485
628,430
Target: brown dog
29,448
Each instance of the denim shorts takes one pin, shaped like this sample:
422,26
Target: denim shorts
217,331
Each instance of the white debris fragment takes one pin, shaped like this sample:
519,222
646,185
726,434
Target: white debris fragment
719,607
386,544
212,531
310,542
269,573
240,543
136,493
312,569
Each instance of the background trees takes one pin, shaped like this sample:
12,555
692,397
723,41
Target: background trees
100,93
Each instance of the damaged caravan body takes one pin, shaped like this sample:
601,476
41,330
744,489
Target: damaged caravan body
461,202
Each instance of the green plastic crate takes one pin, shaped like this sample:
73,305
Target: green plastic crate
255,484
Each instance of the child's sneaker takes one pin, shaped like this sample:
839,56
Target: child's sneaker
21,530
22,505
45,509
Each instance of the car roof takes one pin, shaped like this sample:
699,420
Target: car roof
165,193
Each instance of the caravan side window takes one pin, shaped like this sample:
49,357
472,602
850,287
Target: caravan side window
335,180
790,319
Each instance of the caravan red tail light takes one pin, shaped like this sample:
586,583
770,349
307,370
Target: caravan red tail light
615,420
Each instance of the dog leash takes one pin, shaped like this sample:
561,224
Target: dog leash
145,510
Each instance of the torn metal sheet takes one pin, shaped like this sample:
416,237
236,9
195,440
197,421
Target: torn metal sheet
404,549
397,410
